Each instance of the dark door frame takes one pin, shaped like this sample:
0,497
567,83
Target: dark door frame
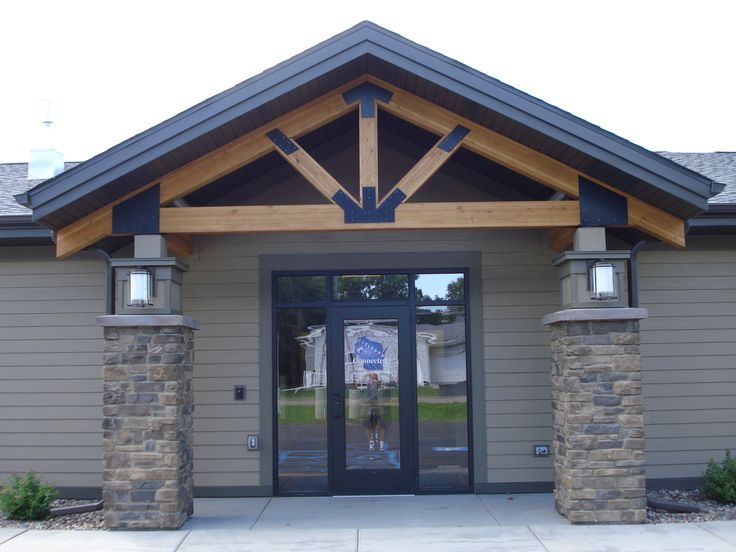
467,263
371,481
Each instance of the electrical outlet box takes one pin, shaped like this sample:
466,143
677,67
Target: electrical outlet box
253,442
541,450
239,392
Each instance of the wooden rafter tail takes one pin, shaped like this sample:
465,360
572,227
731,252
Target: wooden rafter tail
306,165
653,221
432,161
80,234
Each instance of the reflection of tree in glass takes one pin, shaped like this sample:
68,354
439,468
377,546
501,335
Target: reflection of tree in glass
440,316
300,289
360,287
455,291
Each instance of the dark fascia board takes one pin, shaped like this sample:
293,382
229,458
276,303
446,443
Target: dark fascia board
718,216
713,222
368,39
21,226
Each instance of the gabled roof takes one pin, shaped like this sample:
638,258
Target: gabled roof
368,48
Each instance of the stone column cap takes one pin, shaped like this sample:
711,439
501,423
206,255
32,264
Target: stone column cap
128,320
595,315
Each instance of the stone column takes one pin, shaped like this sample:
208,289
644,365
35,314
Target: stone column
147,423
597,409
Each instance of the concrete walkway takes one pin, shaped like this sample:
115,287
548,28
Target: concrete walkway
467,523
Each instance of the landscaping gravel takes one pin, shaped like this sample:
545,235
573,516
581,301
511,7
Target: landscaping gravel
711,510
84,521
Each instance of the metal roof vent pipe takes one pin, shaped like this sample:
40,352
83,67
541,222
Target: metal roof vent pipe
45,161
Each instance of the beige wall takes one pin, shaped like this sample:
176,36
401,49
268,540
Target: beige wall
519,286
689,354
50,358
50,348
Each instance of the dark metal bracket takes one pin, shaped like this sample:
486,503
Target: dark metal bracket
368,93
369,212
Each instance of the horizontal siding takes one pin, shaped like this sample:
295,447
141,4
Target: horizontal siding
519,286
689,355
50,347
50,375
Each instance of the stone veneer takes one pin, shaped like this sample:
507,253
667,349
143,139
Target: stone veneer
147,424
598,420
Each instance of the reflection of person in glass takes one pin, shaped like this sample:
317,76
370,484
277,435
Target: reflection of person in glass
375,423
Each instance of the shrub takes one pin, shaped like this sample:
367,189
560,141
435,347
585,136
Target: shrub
719,480
25,498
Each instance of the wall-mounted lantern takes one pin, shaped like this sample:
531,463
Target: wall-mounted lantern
602,281
141,288
148,285
593,279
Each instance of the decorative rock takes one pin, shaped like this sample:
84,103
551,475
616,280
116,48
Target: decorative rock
598,421
147,445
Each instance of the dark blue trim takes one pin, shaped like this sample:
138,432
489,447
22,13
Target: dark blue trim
282,141
138,214
369,212
600,206
453,138
368,93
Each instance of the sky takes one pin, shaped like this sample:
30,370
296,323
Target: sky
661,74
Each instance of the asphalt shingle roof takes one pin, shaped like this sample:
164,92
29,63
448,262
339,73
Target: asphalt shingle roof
719,166
13,181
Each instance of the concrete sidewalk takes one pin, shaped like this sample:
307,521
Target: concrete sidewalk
363,524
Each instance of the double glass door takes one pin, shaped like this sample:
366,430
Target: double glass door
371,396
371,401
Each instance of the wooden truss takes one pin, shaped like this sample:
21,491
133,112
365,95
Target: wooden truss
368,211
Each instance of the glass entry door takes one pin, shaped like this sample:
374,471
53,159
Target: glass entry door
371,401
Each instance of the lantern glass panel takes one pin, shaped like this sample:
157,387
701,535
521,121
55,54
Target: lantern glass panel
140,287
603,279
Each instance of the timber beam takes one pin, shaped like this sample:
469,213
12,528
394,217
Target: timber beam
210,167
430,163
368,95
304,164
527,161
479,139
409,216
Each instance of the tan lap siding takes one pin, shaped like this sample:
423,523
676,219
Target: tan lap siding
50,358
689,354
519,287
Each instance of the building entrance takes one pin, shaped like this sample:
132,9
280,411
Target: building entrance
372,393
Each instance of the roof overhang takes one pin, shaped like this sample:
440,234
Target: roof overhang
372,50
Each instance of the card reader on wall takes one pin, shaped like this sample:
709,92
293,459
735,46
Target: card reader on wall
253,443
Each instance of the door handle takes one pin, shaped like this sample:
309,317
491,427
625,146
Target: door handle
339,405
